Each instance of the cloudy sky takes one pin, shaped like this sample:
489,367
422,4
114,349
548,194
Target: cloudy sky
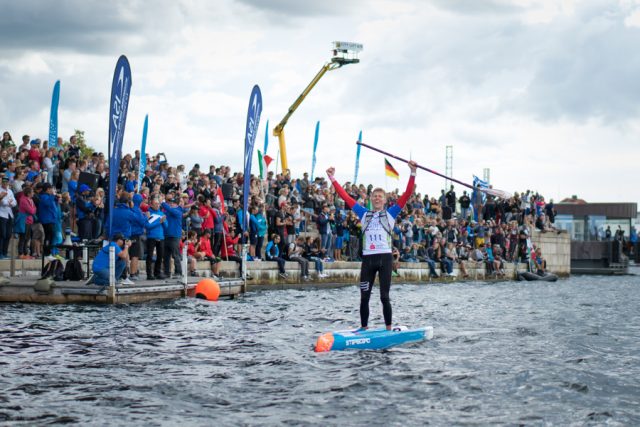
546,94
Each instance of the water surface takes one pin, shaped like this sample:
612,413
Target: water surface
503,354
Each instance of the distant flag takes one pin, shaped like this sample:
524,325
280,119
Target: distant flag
266,137
262,164
264,161
315,146
477,182
389,170
355,175
223,209
53,119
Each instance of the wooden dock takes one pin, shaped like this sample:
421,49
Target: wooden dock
21,289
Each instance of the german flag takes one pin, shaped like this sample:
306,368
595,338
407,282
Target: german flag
389,170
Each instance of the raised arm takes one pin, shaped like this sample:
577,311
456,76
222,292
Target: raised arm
343,194
410,185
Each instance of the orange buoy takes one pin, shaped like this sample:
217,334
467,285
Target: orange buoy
324,343
208,289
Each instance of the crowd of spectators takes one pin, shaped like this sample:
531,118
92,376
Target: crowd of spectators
42,201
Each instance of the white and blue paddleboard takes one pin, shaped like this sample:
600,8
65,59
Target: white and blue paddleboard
371,339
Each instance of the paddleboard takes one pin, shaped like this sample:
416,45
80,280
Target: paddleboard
371,339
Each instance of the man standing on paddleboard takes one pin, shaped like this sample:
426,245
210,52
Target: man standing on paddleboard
377,226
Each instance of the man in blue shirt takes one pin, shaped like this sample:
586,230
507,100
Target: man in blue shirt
156,227
101,261
174,213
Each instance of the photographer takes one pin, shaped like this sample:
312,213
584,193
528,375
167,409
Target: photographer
85,209
101,262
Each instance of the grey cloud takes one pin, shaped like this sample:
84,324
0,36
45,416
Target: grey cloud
93,27
297,8
474,7
589,70
577,67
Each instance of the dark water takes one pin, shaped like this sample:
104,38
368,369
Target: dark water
510,353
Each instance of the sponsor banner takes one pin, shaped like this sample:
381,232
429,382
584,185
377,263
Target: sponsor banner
253,121
315,146
120,90
143,153
53,118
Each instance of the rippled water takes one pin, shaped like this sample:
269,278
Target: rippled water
507,353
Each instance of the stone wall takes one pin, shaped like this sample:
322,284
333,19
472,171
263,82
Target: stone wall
556,249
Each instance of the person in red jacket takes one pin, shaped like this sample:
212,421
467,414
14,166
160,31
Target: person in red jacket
206,213
203,252
227,251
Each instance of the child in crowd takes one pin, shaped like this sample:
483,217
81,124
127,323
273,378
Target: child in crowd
272,253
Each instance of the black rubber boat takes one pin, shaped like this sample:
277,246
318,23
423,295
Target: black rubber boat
530,277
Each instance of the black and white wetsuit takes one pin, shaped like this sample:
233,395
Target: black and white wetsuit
376,249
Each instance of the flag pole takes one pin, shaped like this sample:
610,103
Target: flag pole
492,191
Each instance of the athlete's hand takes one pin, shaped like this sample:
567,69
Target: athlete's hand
413,166
331,171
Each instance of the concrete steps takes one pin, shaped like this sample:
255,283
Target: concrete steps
266,272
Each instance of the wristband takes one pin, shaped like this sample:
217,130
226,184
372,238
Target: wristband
413,174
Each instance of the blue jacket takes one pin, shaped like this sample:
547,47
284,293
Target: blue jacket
258,224
73,189
174,220
123,218
130,186
47,209
137,226
155,229
240,216
272,250
84,207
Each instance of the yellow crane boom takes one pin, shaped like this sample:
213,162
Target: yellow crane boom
343,54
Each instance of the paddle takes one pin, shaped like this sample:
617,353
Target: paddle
497,193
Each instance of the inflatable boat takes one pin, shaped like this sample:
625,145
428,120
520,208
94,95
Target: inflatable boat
530,277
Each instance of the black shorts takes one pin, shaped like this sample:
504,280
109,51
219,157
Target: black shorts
253,238
135,250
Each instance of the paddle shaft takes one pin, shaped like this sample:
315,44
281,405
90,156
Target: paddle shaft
421,167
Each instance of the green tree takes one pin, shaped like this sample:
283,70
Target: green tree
85,149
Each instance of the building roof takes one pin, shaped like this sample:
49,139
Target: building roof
610,210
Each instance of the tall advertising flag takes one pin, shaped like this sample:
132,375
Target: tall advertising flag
315,145
355,175
53,118
120,90
253,121
143,153
266,137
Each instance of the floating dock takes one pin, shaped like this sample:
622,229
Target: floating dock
22,289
